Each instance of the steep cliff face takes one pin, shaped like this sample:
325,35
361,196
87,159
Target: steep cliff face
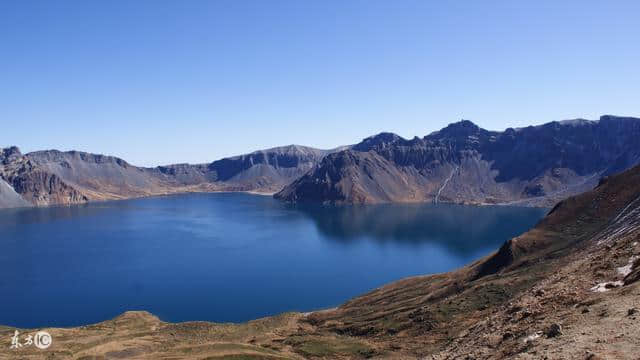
358,177
32,184
262,171
466,164
8,196
462,163
56,177
270,169
101,177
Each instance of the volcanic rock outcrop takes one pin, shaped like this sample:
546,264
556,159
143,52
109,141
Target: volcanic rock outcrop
56,177
462,163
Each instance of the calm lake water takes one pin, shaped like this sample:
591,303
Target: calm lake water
227,257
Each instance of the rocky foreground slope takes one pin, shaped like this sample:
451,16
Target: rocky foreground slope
462,163
55,177
567,289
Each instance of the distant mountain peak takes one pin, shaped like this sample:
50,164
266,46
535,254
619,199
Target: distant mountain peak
292,149
8,154
614,118
381,139
59,156
11,150
462,128
384,136
576,122
464,125
535,165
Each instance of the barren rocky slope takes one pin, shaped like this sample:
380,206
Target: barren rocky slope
265,170
34,184
55,177
9,197
462,163
567,289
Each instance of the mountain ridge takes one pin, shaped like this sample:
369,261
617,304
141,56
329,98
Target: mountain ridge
463,163
460,163
50,177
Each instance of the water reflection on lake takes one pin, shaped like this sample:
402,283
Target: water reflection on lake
227,257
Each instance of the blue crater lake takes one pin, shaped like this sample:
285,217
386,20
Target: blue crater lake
228,256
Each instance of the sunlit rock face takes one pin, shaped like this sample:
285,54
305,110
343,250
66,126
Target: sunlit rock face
70,177
463,163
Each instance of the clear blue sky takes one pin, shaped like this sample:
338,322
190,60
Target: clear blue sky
159,82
